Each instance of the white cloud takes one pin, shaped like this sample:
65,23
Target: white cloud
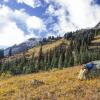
50,9
62,25
31,22
81,14
34,22
31,3
20,15
10,32
6,0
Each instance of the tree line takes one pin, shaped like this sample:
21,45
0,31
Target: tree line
54,58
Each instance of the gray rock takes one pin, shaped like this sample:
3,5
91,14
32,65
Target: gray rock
36,82
96,69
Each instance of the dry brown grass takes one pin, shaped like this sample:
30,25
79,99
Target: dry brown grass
46,47
59,85
96,39
95,44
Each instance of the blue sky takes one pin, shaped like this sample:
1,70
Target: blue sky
23,19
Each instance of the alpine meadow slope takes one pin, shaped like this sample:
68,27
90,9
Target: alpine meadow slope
57,85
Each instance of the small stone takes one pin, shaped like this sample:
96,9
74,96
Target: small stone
36,82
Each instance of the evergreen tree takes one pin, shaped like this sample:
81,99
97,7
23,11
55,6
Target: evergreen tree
55,57
66,60
23,60
60,62
31,64
40,59
50,56
46,61
53,62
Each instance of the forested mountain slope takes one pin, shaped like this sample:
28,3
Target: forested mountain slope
73,49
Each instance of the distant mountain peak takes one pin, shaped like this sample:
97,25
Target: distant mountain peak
98,25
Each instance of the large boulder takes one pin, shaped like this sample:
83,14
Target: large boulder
96,69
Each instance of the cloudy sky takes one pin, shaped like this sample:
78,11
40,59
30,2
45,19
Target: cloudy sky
23,19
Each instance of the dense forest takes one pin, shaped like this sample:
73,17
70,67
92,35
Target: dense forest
76,53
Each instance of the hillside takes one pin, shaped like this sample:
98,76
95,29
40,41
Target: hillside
47,47
22,46
59,85
73,49
36,49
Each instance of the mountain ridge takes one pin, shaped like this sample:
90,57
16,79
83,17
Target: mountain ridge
97,26
22,46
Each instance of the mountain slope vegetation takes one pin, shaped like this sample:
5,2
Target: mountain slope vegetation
36,49
73,49
58,85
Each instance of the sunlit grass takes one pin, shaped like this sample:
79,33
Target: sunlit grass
96,39
59,84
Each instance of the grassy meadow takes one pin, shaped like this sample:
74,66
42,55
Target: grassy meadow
58,85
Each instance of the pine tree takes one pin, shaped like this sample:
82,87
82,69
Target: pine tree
53,62
46,61
70,57
32,63
40,59
60,62
23,60
50,56
66,59
55,58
